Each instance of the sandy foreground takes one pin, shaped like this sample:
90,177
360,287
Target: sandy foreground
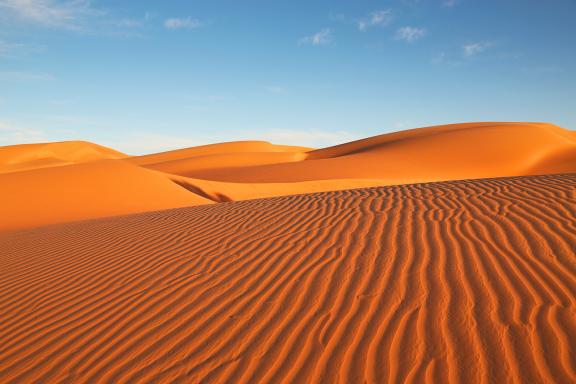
251,262
460,282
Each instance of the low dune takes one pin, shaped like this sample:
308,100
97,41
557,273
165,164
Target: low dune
219,192
32,156
226,149
453,282
37,193
448,152
227,162
83,191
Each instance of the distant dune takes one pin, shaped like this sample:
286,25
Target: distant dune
59,182
83,191
449,152
453,282
33,156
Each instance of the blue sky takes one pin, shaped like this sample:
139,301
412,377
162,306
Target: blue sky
143,76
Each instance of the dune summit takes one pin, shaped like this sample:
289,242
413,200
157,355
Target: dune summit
60,182
454,282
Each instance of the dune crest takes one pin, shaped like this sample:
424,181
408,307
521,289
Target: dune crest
31,156
453,282
256,169
83,191
449,152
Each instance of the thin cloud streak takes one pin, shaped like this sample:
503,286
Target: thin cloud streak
50,13
320,38
11,134
149,142
377,18
473,49
182,23
410,34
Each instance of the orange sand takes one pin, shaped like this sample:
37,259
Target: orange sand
455,282
450,152
32,156
59,182
75,192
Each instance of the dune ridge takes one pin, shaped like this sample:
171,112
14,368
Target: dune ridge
14,158
52,182
82,191
439,153
460,282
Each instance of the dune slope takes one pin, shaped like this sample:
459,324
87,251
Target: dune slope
460,282
447,152
31,156
84,191
216,149
243,170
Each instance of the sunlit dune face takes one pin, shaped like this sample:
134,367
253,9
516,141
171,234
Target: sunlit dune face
60,182
453,282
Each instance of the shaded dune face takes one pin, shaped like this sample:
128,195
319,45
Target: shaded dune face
460,282
61,182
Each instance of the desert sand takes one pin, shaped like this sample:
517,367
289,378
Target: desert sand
22,157
444,254
60,182
460,282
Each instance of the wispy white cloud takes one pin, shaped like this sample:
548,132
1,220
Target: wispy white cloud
473,49
150,142
323,37
313,138
410,34
182,23
50,13
25,76
449,3
377,18
11,134
128,23
8,50
70,15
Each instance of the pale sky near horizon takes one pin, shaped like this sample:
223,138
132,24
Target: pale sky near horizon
145,76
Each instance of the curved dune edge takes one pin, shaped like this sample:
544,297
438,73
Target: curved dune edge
221,192
52,183
214,150
16,158
460,282
448,152
84,191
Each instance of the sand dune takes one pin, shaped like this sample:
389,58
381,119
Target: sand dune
83,191
31,156
226,162
256,169
225,192
449,152
460,282
236,147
